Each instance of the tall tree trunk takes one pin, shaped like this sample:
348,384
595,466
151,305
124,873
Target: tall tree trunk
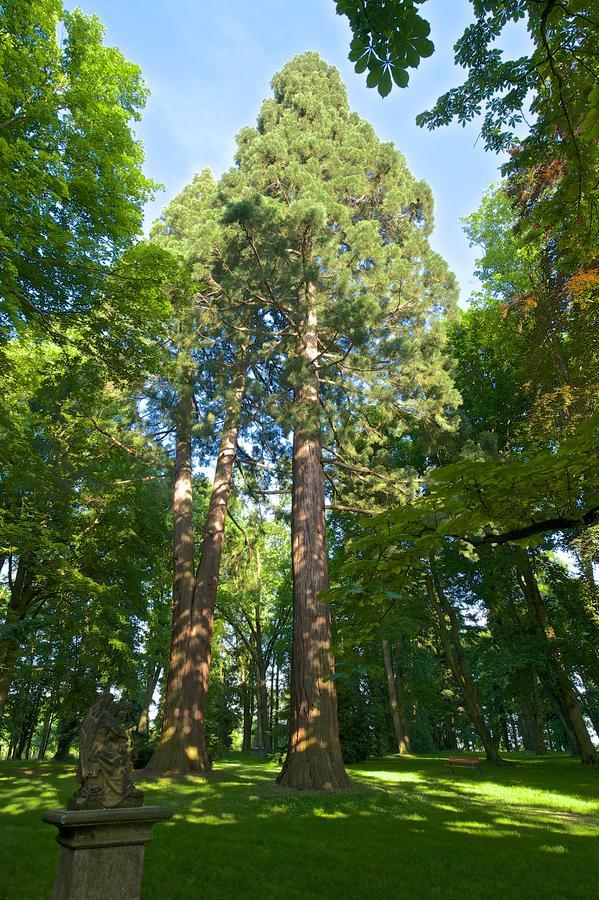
563,680
261,668
262,706
275,709
11,747
400,683
195,686
172,751
8,660
223,732
504,730
571,741
182,747
246,745
593,714
271,703
451,640
19,604
403,744
46,729
143,724
453,735
314,760
585,564
533,702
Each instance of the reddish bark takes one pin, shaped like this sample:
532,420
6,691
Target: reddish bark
314,759
182,747
170,753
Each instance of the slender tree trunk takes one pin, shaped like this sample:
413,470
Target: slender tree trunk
275,709
246,745
458,663
271,706
262,706
45,738
143,724
403,744
261,668
536,715
400,683
223,723
8,660
593,714
563,680
453,735
27,747
504,731
314,760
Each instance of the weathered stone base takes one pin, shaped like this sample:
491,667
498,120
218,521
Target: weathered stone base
102,851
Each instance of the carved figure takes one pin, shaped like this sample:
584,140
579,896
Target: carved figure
105,769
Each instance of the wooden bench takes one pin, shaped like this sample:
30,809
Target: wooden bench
464,762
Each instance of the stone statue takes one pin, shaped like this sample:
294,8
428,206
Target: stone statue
105,769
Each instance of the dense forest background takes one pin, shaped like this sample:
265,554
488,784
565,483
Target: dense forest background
259,474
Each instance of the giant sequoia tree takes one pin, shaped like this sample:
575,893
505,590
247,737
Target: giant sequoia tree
332,241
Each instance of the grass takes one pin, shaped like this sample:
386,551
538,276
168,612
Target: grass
406,828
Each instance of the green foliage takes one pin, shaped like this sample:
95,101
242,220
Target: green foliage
555,164
476,503
491,366
389,37
72,189
555,87
83,525
532,328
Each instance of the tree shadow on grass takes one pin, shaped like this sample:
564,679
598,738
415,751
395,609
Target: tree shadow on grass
237,834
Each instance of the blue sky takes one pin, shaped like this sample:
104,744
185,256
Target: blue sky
209,64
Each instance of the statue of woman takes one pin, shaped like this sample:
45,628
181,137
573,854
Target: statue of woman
105,769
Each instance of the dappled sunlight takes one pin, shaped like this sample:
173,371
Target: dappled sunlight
511,785
327,814
406,777
396,813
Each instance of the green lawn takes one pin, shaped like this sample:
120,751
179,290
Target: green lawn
406,828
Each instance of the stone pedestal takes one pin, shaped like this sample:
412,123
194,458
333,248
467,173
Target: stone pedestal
102,851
